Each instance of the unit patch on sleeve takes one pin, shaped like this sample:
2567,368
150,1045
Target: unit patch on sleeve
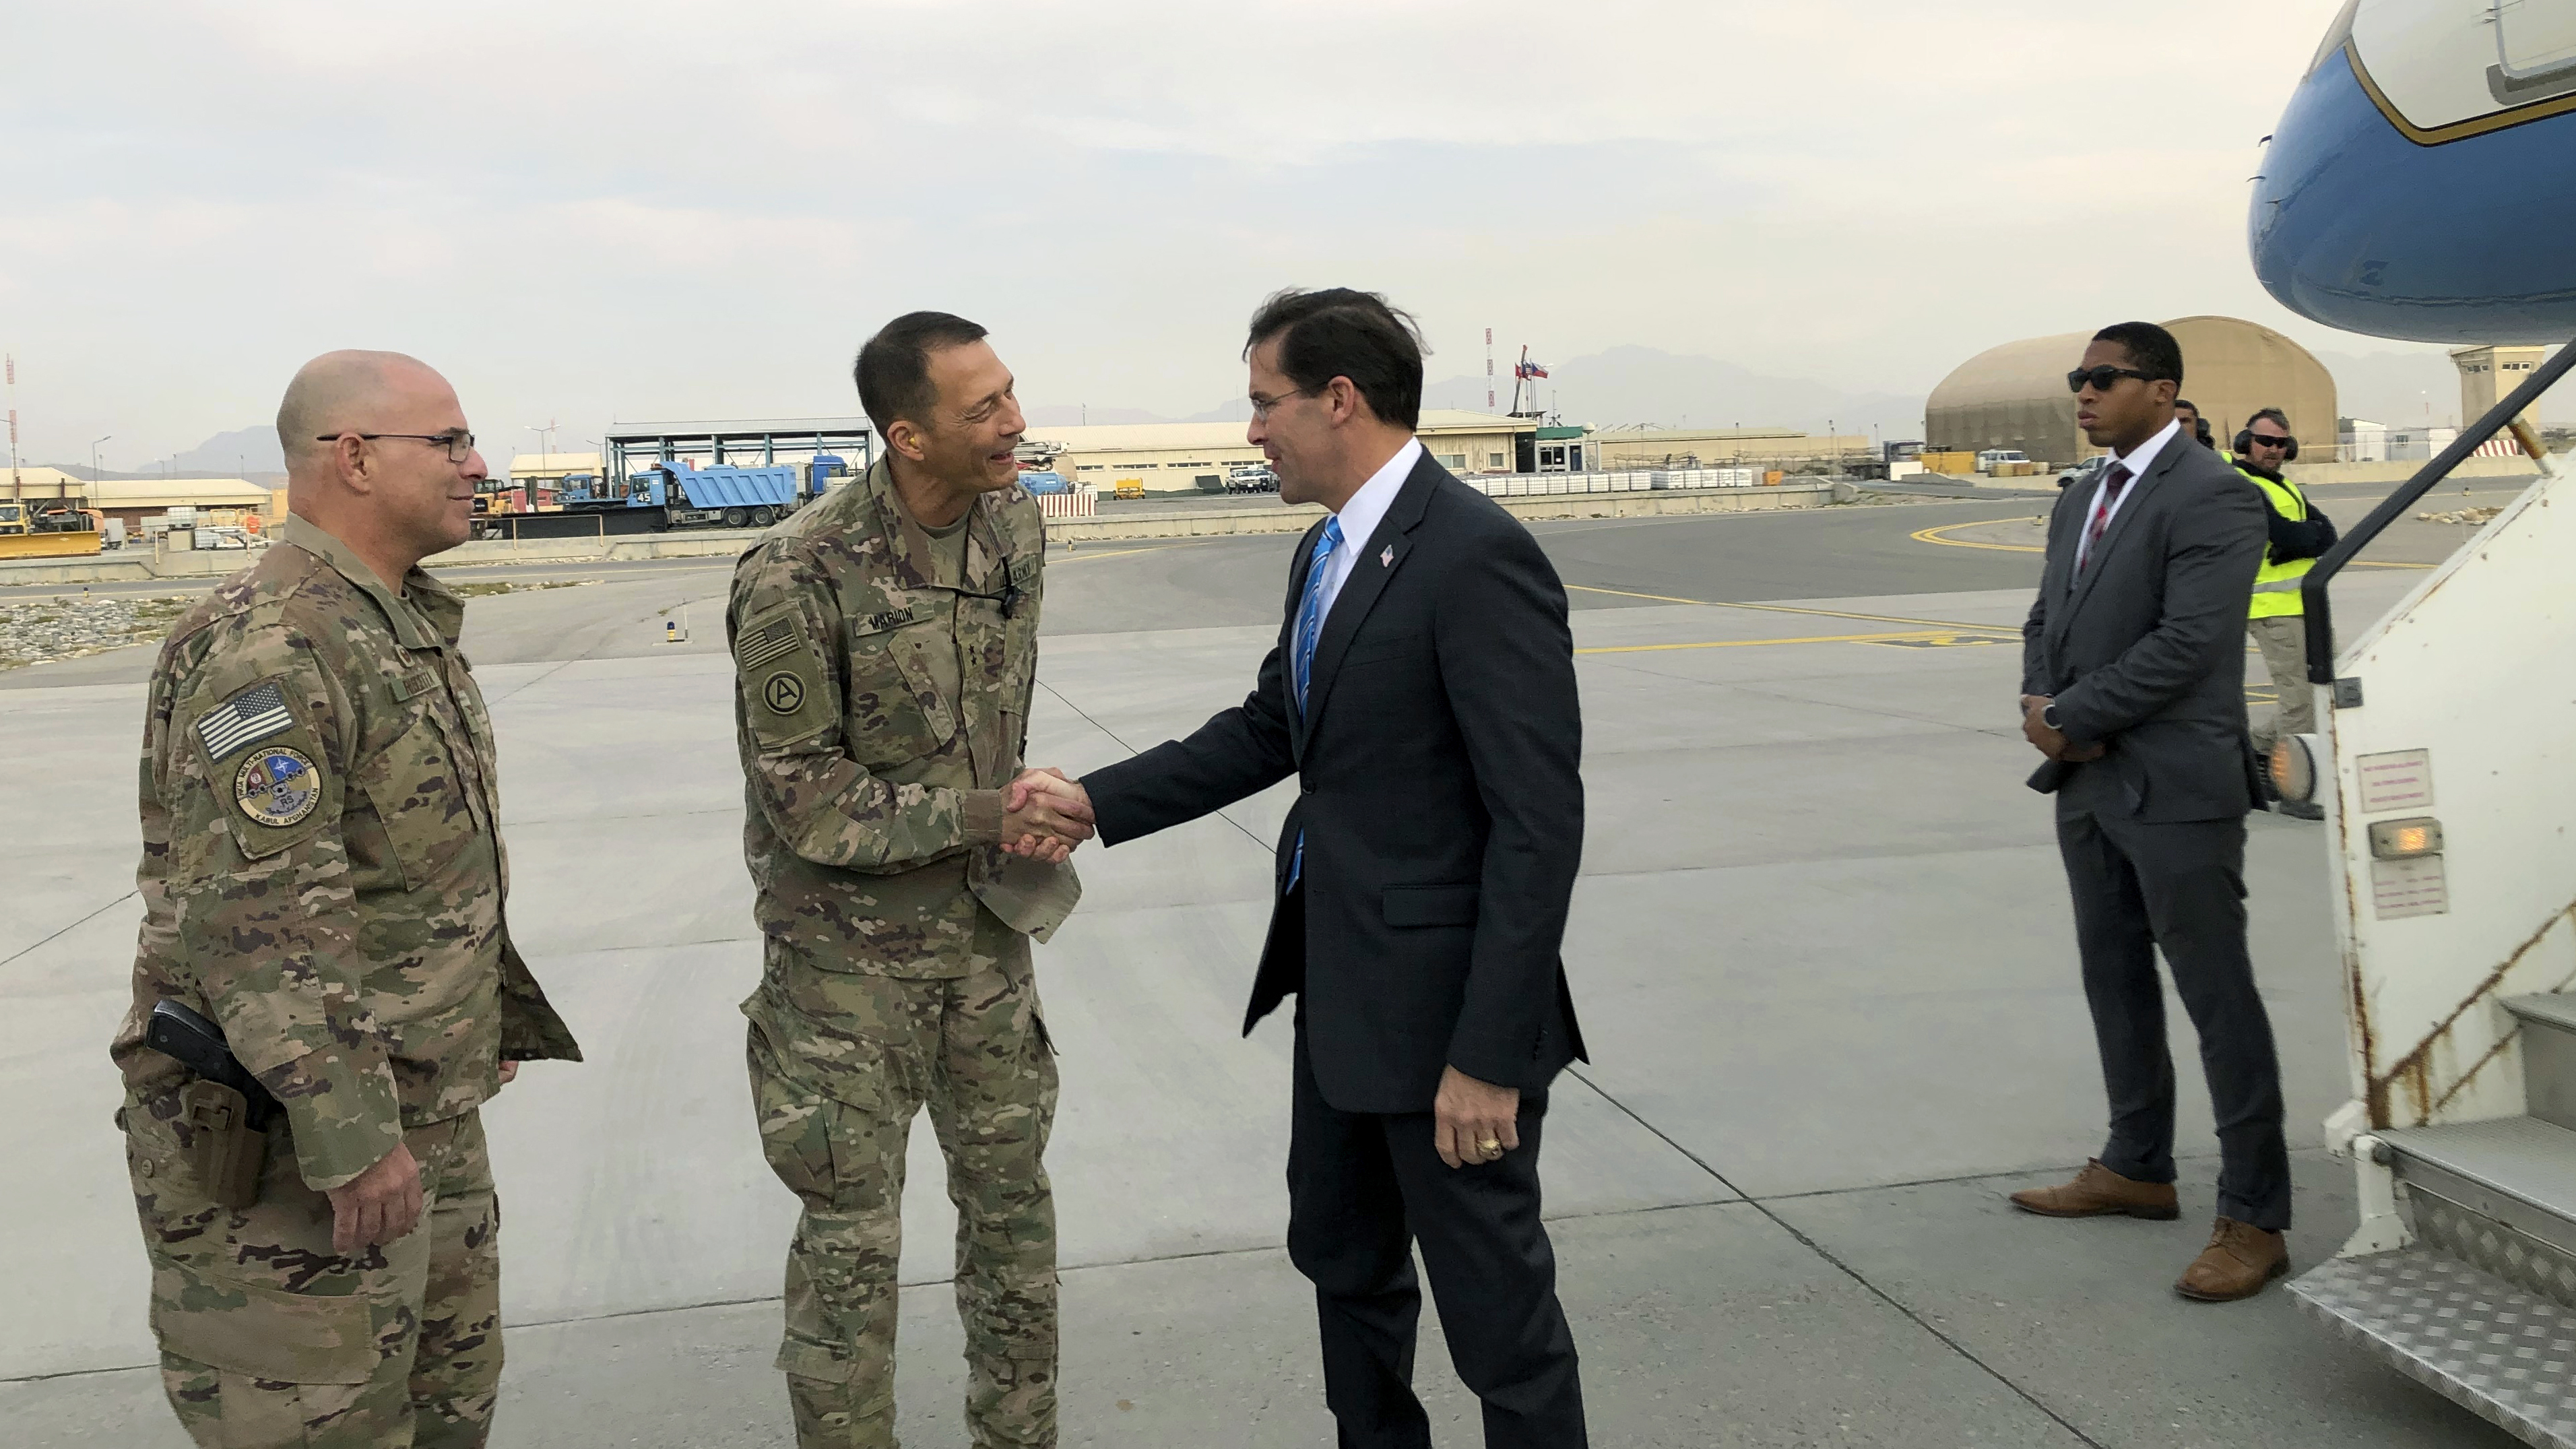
277,787
246,718
782,678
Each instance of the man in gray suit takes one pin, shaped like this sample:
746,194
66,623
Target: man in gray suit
2133,686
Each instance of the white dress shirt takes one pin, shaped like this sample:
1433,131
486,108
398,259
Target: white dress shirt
1360,516
2137,460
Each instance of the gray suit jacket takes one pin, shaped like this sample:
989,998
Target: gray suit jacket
2145,649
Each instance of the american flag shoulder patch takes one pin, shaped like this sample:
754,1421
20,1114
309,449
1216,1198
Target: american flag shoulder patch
246,718
768,642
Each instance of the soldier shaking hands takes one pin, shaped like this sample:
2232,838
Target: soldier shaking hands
885,648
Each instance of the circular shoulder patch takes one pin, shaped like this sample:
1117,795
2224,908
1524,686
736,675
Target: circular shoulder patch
783,692
277,787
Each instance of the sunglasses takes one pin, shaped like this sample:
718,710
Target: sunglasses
2268,440
2101,377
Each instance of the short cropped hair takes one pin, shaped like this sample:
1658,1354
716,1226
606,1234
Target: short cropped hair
1338,332
2152,350
2278,417
2183,402
893,369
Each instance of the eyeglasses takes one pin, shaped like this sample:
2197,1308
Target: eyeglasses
2101,377
1261,406
2269,440
458,443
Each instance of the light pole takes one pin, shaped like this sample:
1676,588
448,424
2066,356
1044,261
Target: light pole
93,459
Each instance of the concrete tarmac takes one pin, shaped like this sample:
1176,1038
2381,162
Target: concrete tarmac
1821,948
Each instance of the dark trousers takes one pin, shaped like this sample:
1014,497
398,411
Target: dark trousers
1362,1189
2139,886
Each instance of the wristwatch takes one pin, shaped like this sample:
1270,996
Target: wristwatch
2048,717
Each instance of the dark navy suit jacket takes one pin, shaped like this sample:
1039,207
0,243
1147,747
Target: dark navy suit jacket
1438,761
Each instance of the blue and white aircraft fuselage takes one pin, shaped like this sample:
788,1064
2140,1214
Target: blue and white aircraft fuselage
2422,183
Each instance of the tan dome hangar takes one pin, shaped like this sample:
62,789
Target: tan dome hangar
2014,396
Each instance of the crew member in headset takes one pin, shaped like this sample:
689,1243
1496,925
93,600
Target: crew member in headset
2278,617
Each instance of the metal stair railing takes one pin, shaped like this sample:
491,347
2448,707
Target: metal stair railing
2312,591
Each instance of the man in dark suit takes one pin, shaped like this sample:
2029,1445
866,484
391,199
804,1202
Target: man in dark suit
2133,686
1422,691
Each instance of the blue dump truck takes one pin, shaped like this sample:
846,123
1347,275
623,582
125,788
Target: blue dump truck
676,495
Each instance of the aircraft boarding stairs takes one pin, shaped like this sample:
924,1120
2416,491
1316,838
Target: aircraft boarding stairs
2445,760
2481,1307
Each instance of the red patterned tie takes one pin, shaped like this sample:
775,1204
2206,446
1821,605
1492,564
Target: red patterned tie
2114,483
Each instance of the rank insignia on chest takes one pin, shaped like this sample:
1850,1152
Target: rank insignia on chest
277,787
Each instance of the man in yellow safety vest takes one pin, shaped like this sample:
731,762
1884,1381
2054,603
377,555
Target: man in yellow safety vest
2278,619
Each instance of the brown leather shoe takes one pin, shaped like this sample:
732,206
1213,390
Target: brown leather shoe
2239,1260
2096,1192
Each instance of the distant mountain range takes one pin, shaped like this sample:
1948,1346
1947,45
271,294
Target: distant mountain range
230,455
1628,386
1059,415
1620,387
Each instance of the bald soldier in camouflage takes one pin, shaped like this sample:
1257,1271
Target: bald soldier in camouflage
322,877
885,647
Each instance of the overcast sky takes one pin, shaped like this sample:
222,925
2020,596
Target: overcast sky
665,208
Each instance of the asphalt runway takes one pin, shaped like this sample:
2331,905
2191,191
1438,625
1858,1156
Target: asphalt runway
1820,945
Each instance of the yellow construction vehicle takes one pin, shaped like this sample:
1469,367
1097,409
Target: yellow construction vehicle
47,528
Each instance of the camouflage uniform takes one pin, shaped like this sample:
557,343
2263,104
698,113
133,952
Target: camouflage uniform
323,877
882,702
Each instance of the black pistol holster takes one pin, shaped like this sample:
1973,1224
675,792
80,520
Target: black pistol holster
224,1113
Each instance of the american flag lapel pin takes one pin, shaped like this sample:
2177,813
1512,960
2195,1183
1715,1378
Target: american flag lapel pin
1386,560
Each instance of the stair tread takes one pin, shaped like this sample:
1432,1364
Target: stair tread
2503,1354
2521,1157
2549,1008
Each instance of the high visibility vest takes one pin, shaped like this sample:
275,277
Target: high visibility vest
2276,585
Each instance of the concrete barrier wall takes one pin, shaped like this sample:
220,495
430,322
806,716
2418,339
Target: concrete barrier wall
136,564
1224,522
2308,475
94,569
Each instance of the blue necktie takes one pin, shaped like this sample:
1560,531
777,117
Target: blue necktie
1310,627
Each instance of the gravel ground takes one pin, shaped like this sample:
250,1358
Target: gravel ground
43,630
40,631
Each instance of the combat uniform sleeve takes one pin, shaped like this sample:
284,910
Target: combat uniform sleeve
253,772
794,696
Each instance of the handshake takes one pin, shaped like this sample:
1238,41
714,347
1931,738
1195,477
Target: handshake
1045,816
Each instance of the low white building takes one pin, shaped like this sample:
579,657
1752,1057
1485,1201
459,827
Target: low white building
1184,457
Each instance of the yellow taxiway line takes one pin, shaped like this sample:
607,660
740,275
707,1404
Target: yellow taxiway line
1945,624
1909,636
1071,557
1941,536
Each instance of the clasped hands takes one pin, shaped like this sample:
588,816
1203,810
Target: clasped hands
1045,816
2047,738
